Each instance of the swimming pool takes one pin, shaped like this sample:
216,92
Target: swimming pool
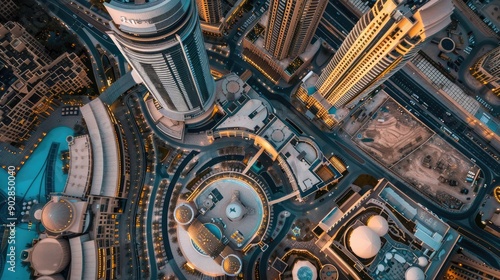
30,183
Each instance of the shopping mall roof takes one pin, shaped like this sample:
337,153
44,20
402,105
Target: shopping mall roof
106,160
83,258
80,166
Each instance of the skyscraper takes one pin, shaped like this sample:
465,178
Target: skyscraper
210,10
162,41
291,25
381,42
487,69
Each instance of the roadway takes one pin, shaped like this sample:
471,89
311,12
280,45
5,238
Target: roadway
168,195
264,260
444,115
78,21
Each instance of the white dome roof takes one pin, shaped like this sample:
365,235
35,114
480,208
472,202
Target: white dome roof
50,256
304,270
234,210
422,261
414,273
58,216
378,224
364,242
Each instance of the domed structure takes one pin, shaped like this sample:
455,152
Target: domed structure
51,277
231,265
58,216
304,270
50,256
422,261
364,242
184,214
414,273
234,211
378,224
329,272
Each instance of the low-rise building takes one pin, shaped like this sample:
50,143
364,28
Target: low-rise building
38,81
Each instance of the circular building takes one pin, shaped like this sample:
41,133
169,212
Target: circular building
232,265
364,242
414,273
446,45
51,277
234,211
329,272
304,270
378,224
58,216
422,261
183,214
50,256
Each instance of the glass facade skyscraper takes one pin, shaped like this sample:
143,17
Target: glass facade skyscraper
381,42
162,40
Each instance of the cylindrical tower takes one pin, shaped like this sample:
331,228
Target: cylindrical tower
162,40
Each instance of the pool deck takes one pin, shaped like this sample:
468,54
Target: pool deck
10,155
28,182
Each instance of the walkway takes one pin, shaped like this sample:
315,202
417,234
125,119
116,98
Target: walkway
49,169
283,198
118,88
252,161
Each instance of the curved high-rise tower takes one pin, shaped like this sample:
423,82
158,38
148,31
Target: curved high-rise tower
162,41
381,42
210,10
291,26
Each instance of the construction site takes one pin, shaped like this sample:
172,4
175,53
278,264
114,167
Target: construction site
440,172
390,133
399,141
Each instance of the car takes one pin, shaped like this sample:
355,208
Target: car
74,16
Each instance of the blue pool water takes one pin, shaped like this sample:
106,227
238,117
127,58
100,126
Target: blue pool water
214,230
305,273
30,184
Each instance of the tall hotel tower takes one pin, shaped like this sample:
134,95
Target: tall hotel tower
382,41
162,41
210,10
291,25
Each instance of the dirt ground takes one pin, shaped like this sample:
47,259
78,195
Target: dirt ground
445,161
391,133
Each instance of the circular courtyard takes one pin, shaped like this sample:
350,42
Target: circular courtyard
236,203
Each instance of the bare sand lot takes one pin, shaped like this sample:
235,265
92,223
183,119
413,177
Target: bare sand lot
391,133
394,137
433,168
